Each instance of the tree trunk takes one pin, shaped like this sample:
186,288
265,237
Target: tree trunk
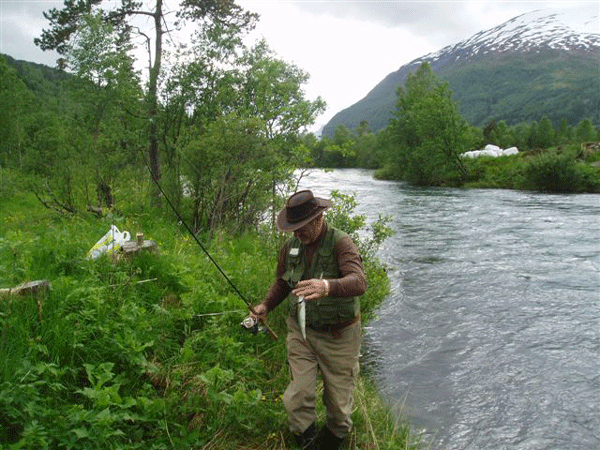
153,153
104,193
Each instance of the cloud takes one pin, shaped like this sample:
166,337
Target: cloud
345,56
21,21
350,46
410,14
440,22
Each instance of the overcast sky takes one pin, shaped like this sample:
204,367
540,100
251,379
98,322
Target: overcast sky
347,46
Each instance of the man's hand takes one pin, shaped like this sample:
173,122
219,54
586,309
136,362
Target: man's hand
312,289
260,312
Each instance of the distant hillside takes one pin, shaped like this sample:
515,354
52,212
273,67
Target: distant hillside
45,82
535,65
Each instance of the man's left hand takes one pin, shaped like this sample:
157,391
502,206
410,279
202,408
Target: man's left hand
312,289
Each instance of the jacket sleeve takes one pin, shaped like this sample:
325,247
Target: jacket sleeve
352,281
279,290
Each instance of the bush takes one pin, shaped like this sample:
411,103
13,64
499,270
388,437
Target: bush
590,177
552,172
504,172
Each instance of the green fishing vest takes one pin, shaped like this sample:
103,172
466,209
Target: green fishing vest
327,310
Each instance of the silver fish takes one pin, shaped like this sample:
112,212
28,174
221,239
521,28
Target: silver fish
302,316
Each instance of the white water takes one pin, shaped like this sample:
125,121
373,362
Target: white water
490,338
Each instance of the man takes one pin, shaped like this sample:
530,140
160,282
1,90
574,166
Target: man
320,271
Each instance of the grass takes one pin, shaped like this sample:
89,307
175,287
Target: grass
148,352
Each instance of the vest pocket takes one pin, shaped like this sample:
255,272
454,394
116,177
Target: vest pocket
331,311
291,277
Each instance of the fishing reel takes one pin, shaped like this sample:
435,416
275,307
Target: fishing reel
252,325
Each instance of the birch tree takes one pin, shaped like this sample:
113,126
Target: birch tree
124,17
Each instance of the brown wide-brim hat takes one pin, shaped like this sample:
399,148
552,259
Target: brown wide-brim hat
301,208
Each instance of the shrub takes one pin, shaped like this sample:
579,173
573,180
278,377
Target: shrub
552,172
590,177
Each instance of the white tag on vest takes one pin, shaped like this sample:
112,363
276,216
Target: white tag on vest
294,251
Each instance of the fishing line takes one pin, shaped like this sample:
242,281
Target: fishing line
212,260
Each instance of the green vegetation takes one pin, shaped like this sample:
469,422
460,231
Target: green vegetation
423,143
147,351
554,170
218,120
514,86
428,134
522,87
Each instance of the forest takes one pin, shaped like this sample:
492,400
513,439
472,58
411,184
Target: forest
216,119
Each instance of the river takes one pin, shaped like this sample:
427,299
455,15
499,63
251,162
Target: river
490,337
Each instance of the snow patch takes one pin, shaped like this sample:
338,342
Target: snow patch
554,28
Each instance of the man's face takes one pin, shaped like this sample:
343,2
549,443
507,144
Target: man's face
310,232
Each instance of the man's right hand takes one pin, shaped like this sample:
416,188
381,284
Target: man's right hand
260,312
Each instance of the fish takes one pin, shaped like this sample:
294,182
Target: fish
302,316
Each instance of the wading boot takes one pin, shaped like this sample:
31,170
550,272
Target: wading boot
306,440
328,441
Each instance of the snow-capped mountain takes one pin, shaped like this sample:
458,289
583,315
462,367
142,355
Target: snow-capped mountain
542,29
532,42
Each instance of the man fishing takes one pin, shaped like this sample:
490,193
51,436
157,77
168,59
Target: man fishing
320,271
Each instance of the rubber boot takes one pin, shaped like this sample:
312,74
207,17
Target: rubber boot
306,440
328,441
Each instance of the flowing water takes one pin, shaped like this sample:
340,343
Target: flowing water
490,337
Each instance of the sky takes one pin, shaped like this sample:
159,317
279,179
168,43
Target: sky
346,46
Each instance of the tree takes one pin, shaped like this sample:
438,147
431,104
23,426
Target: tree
222,83
15,103
563,136
546,134
108,91
365,146
363,128
520,134
532,138
585,131
35,139
428,132
271,89
504,138
316,147
65,23
228,173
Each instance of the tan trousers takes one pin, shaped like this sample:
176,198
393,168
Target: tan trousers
337,358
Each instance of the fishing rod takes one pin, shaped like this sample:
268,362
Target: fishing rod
249,322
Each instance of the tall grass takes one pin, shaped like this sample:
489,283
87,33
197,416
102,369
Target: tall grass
146,352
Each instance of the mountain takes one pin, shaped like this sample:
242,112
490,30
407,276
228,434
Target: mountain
45,82
543,63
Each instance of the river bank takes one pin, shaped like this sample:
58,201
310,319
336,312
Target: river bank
147,352
555,170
